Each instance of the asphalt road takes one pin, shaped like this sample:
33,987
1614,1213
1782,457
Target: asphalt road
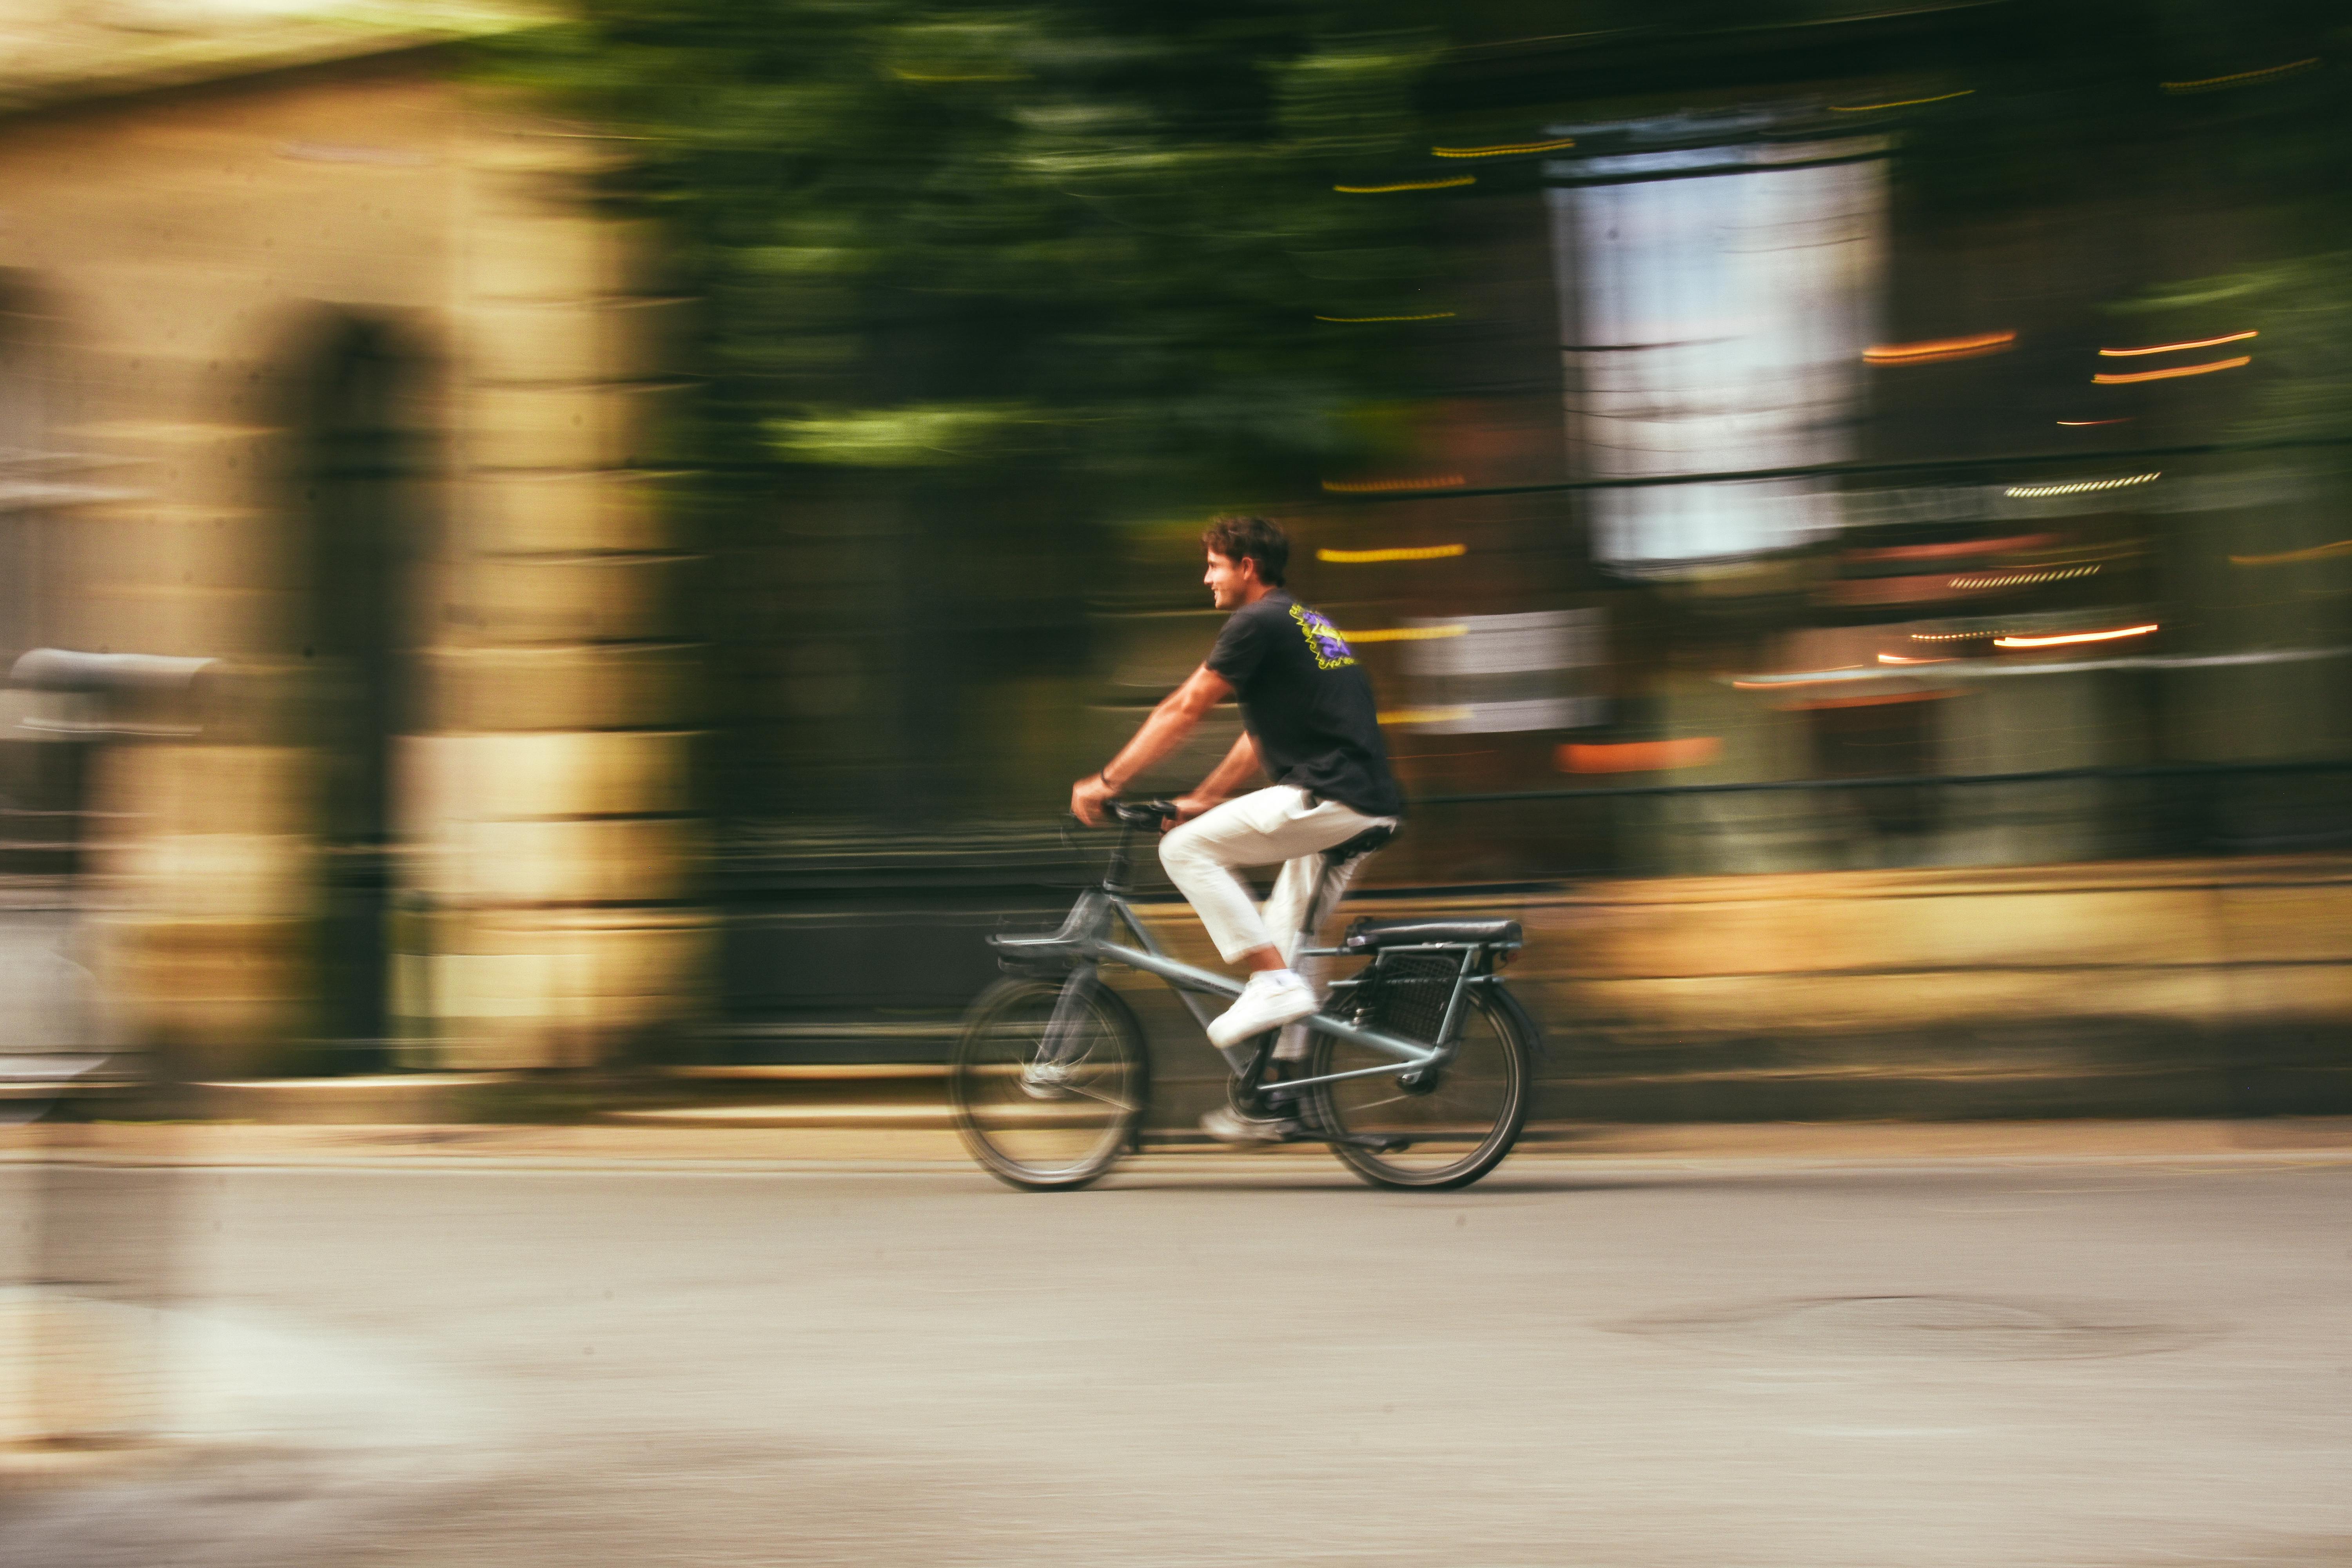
2123,1363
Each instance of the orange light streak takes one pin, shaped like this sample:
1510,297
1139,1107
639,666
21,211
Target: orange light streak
2055,640
1943,552
1787,685
1639,756
2175,348
2292,557
2078,423
1369,487
2175,370
1938,349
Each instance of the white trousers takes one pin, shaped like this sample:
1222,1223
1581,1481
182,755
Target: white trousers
1269,825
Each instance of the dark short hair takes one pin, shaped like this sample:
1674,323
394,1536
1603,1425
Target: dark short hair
1256,538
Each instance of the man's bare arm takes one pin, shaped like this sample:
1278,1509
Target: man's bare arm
1226,779
1178,713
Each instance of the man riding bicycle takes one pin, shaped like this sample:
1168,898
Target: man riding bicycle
1310,725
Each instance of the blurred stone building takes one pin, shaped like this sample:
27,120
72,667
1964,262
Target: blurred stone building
318,374
315,367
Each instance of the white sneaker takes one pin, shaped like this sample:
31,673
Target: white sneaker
1269,1001
1227,1125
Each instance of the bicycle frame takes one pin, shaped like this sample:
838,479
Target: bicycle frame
1084,942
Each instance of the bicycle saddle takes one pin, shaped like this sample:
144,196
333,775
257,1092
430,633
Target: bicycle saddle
1367,935
1364,843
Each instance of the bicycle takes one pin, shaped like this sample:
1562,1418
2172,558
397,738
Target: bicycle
1417,1074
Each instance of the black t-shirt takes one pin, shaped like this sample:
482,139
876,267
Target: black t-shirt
1307,704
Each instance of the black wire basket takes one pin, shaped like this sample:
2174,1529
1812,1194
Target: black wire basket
1406,992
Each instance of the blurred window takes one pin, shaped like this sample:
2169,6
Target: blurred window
1717,300
1493,674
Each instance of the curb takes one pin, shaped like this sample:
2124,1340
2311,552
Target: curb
2313,1141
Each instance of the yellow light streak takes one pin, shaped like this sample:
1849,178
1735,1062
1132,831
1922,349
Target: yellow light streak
1502,151
1901,103
1407,185
2175,370
1359,321
2295,557
2019,579
2173,348
1948,636
1404,633
1941,348
1424,715
2053,640
2238,79
1898,658
2078,487
1412,553
2082,422
1373,487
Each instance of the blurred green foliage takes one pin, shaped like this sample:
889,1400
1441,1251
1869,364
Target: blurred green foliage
2303,310
1080,242
2276,138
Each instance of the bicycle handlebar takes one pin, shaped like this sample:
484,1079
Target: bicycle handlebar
1142,813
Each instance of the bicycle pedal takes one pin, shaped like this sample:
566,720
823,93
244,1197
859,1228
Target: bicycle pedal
1377,1142
1287,1109
1297,1128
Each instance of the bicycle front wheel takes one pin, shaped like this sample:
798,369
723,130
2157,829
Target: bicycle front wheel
1457,1126
1045,1110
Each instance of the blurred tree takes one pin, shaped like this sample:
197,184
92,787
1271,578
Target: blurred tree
1095,242
2283,142
978,280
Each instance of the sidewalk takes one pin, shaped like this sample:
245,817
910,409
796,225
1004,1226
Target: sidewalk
2324,1140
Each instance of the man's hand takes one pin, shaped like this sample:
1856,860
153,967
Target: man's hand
1087,798
1188,807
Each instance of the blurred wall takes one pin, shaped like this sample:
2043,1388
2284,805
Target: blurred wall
349,385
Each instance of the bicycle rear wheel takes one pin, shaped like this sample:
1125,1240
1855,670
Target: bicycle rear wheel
1460,1126
1043,1124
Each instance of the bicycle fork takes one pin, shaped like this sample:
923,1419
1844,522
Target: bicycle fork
1049,1069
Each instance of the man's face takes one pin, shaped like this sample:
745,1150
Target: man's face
1229,580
